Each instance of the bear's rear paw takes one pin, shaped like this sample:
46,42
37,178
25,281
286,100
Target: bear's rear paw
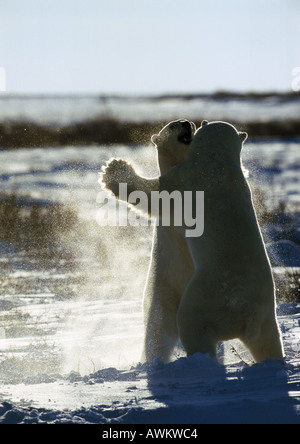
117,171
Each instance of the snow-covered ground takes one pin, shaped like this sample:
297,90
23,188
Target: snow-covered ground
70,339
63,110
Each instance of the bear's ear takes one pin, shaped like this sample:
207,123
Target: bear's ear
204,122
155,139
243,136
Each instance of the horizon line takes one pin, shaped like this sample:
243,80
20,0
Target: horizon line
217,94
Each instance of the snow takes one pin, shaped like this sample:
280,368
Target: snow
72,109
284,253
190,390
77,359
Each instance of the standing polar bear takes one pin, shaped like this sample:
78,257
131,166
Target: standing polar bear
231,293
171,266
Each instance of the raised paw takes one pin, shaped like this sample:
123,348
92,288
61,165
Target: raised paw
117,171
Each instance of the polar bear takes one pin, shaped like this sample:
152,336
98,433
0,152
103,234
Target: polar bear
165,285
231,293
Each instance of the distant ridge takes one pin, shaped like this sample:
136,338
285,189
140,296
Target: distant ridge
217,95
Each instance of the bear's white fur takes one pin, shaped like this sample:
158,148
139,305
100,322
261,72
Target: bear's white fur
165,285
231,294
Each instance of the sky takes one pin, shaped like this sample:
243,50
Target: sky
148,46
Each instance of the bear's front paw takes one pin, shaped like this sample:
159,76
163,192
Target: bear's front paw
117,171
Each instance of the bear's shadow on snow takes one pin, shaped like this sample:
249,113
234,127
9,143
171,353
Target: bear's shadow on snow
198,390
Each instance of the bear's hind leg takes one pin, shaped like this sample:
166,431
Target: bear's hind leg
195,335
159,345
161,333
195,342
195,329
267,344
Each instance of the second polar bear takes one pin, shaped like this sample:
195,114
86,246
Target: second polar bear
231,294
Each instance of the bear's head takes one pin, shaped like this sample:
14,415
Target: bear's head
173,142
224,129
219,144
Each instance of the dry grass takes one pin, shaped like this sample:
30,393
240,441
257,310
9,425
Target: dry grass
288,286
111,131
29,226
